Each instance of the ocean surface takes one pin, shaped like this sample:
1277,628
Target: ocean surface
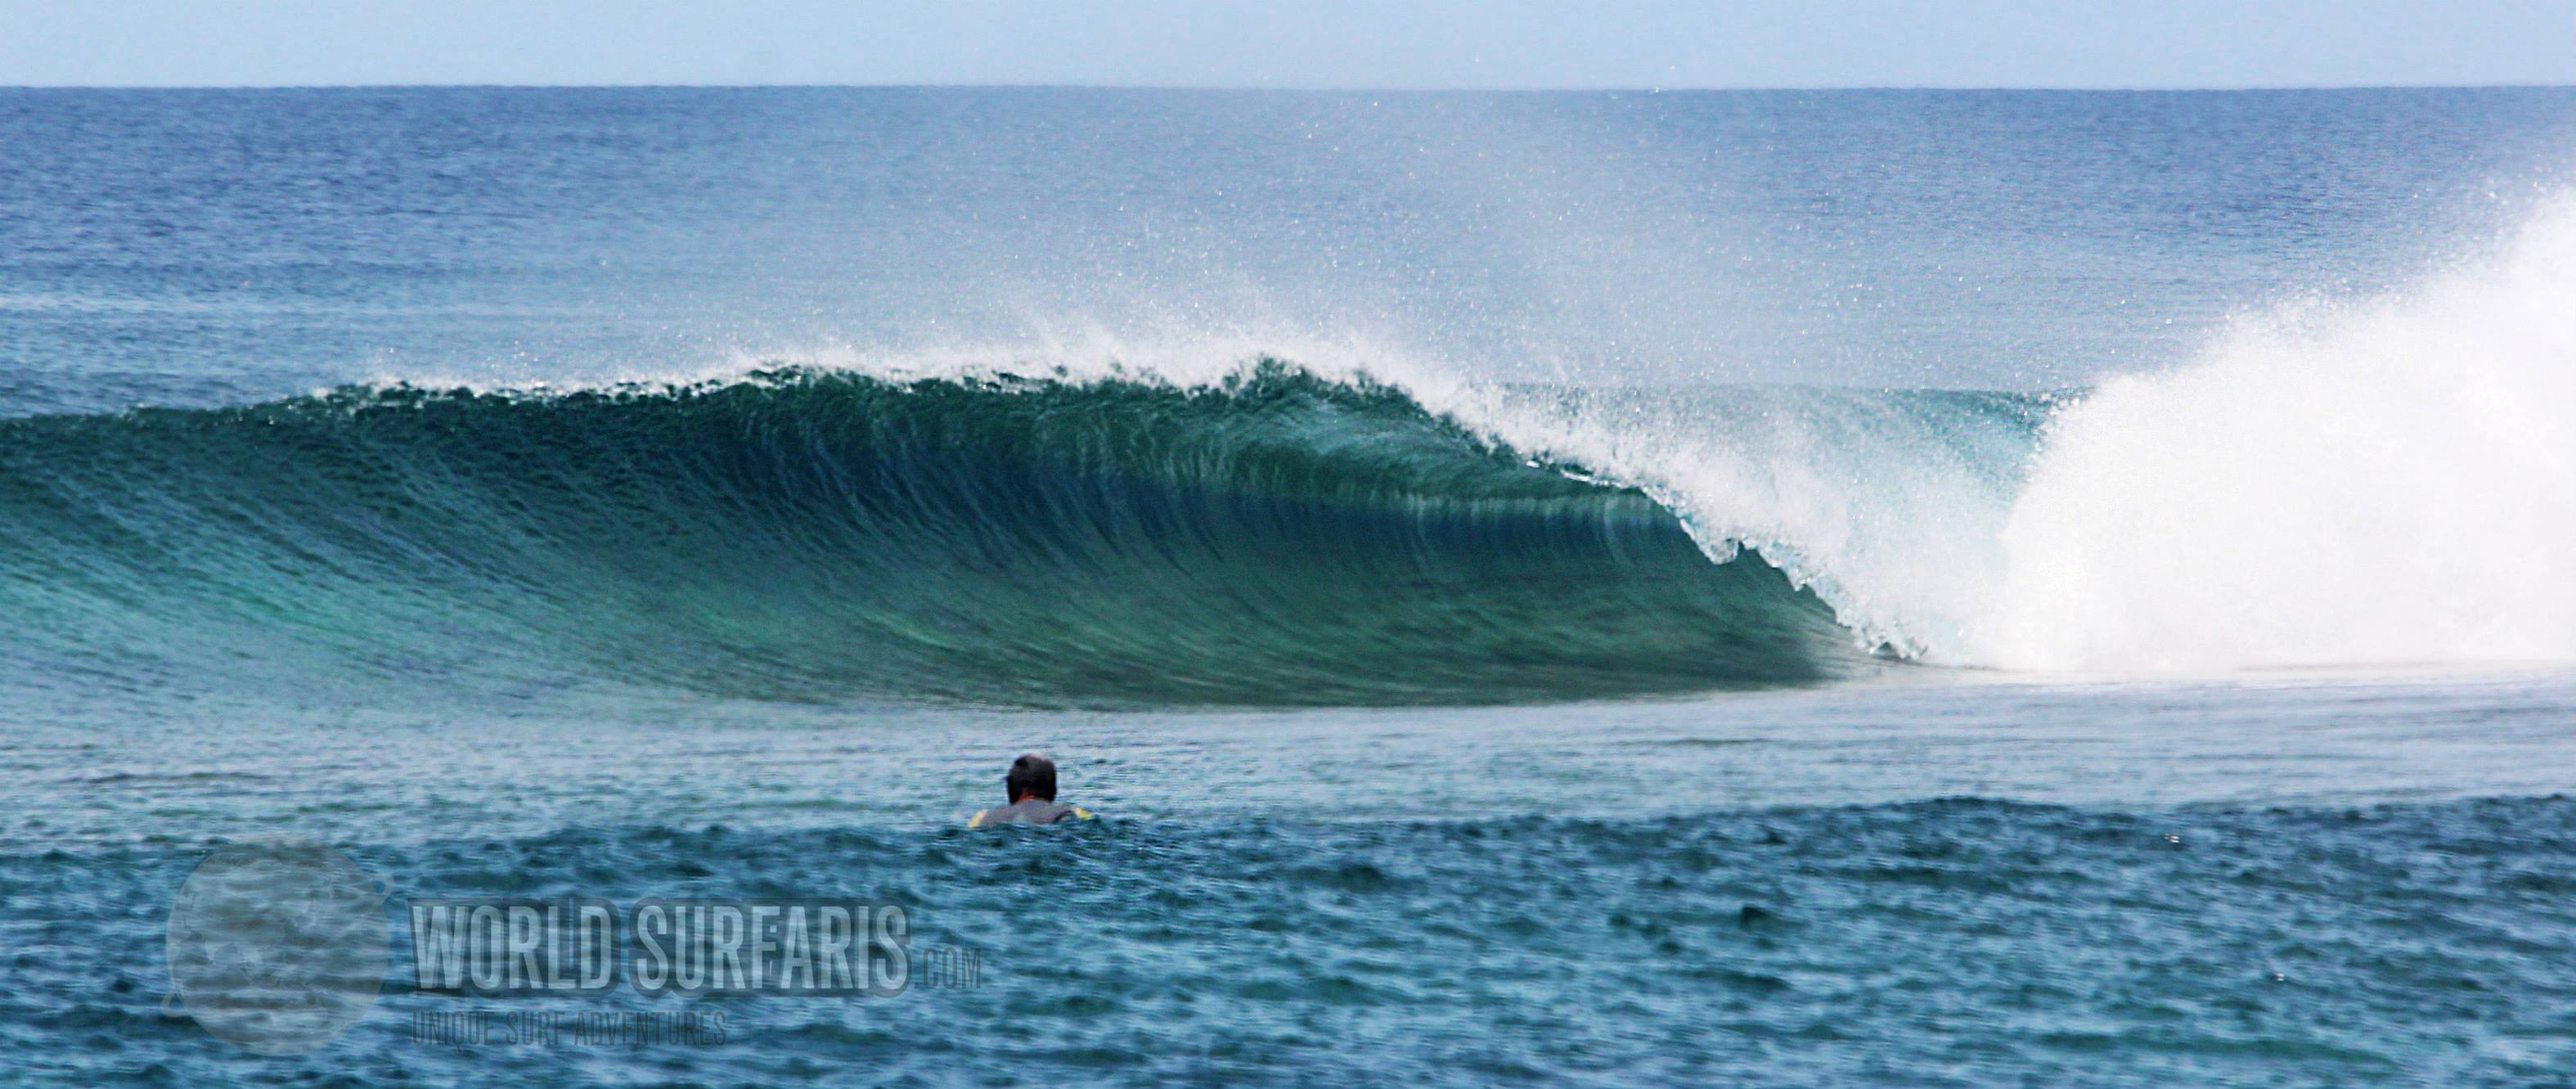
1819,588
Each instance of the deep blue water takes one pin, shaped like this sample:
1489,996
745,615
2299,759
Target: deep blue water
1838,588
211,246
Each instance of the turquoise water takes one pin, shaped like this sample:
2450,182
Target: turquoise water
1805,589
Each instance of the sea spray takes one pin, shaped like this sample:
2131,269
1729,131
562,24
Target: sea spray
2392,483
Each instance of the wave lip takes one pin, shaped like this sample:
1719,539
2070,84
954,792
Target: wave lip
1275,539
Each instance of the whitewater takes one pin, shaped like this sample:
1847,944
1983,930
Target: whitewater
2391,481
2384,481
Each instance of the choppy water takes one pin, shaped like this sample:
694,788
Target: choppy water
1894,588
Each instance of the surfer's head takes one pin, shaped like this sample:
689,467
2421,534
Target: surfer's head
1032,776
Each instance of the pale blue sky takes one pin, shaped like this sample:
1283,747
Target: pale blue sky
1332,43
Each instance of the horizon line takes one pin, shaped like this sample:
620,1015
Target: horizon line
1302,89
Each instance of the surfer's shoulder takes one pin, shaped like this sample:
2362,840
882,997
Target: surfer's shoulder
1030,811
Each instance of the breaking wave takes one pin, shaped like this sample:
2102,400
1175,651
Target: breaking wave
1275,538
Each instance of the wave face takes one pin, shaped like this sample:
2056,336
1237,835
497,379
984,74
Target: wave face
1273,539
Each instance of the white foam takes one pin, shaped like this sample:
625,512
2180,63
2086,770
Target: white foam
1887,512
2395,482
1075,353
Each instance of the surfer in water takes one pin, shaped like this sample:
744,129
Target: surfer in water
1031,783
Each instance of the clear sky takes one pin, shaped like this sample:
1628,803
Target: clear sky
1293,43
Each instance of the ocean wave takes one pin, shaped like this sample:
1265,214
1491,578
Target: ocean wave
2385,481
1272,538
